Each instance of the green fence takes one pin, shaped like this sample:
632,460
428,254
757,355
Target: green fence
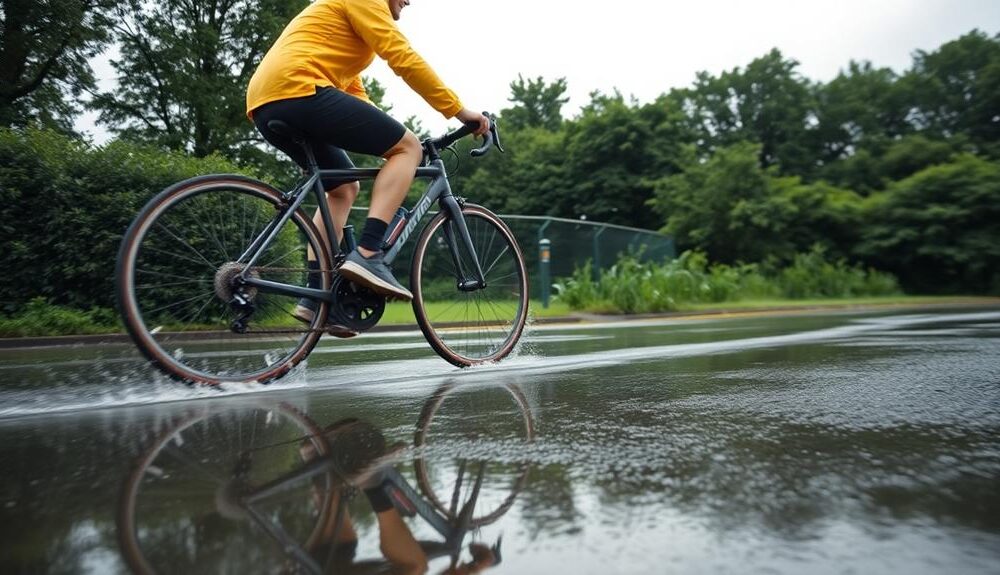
571,243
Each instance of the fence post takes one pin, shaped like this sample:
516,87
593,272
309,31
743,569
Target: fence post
544,254
543,264
597,253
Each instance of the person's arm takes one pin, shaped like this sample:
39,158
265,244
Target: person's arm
372,21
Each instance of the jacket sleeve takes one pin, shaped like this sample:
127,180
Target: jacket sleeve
372,21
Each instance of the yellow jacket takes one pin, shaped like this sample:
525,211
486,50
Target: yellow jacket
330,43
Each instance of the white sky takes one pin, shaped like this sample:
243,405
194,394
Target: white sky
647,47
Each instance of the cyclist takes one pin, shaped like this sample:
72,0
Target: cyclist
360,452
310,80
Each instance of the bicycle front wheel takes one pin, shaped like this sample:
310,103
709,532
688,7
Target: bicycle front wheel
469,327
462,433
178,271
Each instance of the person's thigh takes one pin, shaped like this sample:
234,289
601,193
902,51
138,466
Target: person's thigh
293,112
352,124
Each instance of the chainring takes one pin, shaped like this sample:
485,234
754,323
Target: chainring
355,307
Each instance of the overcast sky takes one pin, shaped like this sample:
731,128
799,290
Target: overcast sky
646,47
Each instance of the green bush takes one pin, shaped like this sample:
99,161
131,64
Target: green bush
811,275
39,317
630,286
65,205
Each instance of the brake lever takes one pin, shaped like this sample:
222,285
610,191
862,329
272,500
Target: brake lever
495,131
490,138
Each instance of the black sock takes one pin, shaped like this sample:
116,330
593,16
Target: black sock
314,281
371,236
379,500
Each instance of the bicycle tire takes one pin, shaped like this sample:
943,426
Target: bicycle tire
193,433
509,487
491,320
180,244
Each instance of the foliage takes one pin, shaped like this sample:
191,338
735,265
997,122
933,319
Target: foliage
537,104
737,211
939,228
633,287
65,205
767,102
183,71
40,318
956,89
45,48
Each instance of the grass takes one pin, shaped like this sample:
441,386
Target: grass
398,313
50,320
752,304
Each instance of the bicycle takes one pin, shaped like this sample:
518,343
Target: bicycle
217,263
210,484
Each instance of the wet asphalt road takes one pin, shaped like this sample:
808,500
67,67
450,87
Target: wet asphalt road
822,443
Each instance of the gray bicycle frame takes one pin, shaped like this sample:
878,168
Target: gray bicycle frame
453,531
438,190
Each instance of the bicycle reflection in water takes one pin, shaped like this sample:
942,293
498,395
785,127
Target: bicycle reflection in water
203,493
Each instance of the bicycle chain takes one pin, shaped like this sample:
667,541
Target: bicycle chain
280,331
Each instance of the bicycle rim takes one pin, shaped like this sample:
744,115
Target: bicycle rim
175,273
170,518
468,328
460,434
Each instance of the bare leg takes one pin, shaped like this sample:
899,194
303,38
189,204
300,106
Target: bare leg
340,200
398,545
394,179
346,533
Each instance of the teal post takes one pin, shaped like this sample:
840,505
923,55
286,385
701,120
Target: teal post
544,255
597,253
543,266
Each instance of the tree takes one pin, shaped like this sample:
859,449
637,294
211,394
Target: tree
956,90
725,207
184,68
734,210
45,46
767,102
859,109
613,152
537,104
939,229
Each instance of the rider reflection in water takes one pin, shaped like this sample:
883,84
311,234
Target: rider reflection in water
361,455
310,80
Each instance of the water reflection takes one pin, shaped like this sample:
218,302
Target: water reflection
265,488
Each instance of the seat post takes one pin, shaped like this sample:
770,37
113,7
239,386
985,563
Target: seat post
310,157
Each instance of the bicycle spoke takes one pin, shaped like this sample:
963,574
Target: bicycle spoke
183,243
490,324
496,260
152,311
176,282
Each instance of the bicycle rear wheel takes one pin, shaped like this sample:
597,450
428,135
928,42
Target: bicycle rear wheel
469,327
179,509
175,278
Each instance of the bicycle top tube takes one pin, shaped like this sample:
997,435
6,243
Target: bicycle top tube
350,174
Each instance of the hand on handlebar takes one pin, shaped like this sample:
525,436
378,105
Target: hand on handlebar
467,116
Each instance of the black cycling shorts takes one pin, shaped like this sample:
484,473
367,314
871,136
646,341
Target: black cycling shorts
332,121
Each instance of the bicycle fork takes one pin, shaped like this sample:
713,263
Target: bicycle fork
456,223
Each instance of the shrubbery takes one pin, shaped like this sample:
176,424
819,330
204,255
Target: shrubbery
39,317
64,206
634,287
